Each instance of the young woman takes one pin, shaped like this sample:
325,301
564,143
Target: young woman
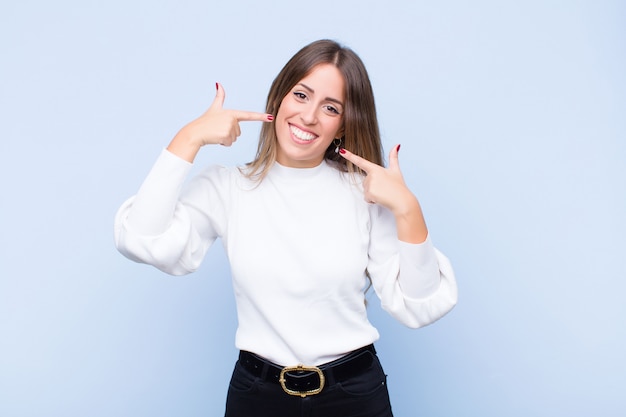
309,225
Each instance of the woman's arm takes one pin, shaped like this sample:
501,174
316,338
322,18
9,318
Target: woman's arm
414,281
386,186
216,126
156,226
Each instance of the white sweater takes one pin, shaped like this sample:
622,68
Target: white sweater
299,244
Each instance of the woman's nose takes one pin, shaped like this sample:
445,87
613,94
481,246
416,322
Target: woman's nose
309,115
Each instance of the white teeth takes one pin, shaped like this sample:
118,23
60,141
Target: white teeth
301,134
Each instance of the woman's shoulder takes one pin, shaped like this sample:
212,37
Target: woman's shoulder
226,176
218,173
352,179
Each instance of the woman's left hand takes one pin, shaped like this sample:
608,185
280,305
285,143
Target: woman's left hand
386,186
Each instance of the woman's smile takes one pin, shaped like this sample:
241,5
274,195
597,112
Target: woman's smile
301,135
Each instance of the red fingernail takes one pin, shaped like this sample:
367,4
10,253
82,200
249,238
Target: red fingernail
270,117
217,86
342,150
398,148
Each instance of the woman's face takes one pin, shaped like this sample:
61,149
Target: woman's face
310,117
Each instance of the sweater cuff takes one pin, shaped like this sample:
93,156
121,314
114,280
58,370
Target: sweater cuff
419,269
154,204
419,254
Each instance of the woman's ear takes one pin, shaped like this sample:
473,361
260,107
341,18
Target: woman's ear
340,133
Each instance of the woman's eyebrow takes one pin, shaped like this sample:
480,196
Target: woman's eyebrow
310,90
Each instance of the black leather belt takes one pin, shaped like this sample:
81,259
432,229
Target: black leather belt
309,380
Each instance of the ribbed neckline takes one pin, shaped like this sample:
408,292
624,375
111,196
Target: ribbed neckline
285,173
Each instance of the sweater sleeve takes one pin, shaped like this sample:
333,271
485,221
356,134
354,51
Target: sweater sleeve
415,282
166,226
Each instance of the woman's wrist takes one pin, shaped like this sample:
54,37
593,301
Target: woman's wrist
183,146
410,221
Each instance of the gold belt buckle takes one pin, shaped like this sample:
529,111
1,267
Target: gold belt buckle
301,368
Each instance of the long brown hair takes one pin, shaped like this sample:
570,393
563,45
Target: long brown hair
360,124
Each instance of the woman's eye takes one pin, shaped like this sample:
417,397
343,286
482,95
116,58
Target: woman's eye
332,109
299,95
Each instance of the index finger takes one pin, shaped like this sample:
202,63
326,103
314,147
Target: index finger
362,163
251,116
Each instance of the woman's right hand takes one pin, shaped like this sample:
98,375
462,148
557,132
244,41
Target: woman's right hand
216,126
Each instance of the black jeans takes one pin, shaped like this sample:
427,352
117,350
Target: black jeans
364,395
